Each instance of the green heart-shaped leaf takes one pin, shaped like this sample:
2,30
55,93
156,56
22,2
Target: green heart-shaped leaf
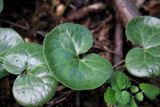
145,32
8,39
149,90
1,5
34,86
62,49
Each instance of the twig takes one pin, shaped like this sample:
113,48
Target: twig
37,6
59,98
77,99
105,48
118,64
26,27
83,12
111,51
126,10
118,43
60,88
138,3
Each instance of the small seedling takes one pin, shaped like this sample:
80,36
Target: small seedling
123,94
142,61
118,90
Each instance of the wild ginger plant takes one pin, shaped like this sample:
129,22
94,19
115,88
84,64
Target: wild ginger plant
38,68
63,58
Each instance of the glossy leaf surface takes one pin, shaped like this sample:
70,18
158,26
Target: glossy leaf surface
150,90
62,49
144,31
34,86
8,39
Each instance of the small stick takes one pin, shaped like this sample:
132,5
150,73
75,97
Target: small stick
77,103
59,98
83,12
126,10
118,43
16,25
60,88
138,3
118,64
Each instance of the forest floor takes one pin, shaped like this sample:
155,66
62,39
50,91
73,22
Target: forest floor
33,19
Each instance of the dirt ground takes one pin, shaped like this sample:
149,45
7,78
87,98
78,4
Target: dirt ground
33,19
